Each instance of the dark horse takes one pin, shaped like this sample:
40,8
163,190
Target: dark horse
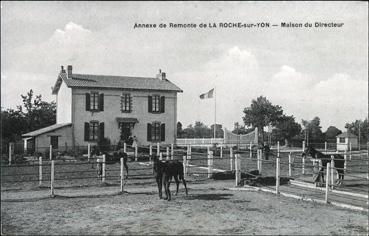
164,171
339,162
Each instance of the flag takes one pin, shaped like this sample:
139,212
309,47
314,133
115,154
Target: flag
207,95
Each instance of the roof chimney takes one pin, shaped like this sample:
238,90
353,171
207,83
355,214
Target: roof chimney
62,69
69,71
163,76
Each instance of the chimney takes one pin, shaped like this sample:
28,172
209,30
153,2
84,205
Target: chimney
69,71
62,69
163,76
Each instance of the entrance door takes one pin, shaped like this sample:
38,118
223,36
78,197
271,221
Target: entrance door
125,131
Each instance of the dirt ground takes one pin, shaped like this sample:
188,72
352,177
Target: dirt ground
210,208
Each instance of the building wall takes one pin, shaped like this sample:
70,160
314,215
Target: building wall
346,145
112,110
64,105
42,142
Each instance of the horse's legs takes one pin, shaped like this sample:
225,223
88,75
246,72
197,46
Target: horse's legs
168,188
184,183
159,182
177,183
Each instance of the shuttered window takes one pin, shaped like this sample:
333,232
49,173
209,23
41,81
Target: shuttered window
94,101
156,103
126,103
93,130
155,132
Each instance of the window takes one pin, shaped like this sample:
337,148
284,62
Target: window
156,103
125,103
94,101
94,128
155,132
342,140
54,142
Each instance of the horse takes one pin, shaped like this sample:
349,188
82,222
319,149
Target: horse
164,171
339,162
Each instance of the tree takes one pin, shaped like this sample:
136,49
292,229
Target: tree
286,128
313,130
179,130
33,115
219,133
353,128
331,133
262,113
201,130
189,132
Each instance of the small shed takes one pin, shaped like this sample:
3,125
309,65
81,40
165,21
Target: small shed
58,136
344,140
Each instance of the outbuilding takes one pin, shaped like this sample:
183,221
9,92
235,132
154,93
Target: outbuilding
346,139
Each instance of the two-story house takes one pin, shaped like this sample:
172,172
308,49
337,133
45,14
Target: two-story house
91,107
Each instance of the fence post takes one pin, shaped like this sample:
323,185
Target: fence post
238,169
303,145
150,150
184,167
52,178
208,149
250,149
327,182
290,164
168,153
231,158
350,150
158,149
261,161
325,147
136,152
40,171
10,153
88,152
303,165
210,164
160,156
125,147
103,169
121,175
277,174
221,151
332,171
51,152
172,151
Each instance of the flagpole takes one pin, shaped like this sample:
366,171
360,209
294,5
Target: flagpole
215,111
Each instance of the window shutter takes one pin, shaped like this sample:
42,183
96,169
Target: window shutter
101,102
148,132
162,132
150,103
101,131
87,131
162,104
130,103
87,102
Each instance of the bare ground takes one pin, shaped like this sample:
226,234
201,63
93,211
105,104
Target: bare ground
210,208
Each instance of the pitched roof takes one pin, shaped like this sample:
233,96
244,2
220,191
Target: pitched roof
45,130
109,81
347,135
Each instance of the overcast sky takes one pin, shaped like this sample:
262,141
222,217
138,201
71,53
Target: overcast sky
308,71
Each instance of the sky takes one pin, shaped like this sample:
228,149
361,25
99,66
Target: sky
309,71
